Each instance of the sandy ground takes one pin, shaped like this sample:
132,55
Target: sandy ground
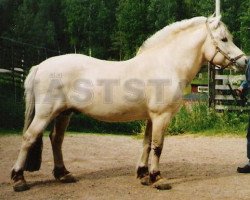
197,167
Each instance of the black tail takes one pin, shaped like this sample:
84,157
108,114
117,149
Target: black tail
34,157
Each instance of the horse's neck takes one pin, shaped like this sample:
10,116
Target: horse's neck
186,52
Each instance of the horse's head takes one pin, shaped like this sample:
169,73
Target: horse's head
219,47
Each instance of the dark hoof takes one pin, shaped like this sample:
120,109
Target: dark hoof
244,170
145,180
159,182
68,178
143,175
63,175
162,185
20,186
19,183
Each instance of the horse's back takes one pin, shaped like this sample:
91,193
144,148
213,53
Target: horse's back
78,82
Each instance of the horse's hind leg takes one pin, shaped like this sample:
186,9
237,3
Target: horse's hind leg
142,169
30,139
56,138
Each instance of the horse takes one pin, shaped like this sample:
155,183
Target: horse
147,87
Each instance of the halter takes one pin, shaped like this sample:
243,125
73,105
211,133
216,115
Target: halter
232,61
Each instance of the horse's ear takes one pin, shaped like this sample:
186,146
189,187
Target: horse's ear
214,21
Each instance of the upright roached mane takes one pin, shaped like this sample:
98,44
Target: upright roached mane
171,57
162,35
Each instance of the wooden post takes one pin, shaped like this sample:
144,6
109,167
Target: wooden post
217,8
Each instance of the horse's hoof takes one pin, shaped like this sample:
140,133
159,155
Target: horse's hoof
145,180
68,178
20,186
162,185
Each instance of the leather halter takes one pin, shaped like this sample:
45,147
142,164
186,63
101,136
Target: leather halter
232,61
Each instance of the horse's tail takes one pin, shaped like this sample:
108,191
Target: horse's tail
29,98
34,156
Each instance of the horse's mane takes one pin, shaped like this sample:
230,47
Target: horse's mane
164,33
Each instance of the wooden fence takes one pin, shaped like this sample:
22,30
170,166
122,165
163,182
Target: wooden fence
16,59
220,94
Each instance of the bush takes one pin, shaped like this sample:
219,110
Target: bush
11,107
199,118
12,116
80,122
196,118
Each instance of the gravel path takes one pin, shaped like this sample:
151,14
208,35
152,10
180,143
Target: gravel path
197,167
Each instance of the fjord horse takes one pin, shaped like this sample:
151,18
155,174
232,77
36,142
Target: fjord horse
146,87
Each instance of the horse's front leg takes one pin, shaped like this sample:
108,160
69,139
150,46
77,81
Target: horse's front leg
159,123
142,169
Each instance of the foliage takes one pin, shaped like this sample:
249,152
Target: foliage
37,22
244,31
83,123
12,110
131,26
109,29
12,117
195,118
89,26
199,118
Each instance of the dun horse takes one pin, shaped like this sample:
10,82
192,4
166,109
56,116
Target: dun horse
146,87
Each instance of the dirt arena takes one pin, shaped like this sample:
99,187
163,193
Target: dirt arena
197,168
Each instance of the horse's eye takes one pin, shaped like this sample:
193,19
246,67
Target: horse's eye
224,39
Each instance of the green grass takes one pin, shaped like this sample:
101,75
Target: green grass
196,119
208,133
4,132
203,80
68,133
201,119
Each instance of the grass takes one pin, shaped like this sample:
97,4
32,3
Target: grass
4,132
198,118
209,133
195,119
68,133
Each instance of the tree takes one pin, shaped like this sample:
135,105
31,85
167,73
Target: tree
182,11
200,8
132,27
160,14
6,14
230,13
109,29
89,26
244,17
34,23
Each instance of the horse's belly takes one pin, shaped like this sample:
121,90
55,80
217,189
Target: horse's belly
119,118
112,113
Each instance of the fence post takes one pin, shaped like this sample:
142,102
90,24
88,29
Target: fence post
217,8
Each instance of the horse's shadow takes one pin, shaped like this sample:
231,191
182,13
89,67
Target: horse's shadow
175,172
